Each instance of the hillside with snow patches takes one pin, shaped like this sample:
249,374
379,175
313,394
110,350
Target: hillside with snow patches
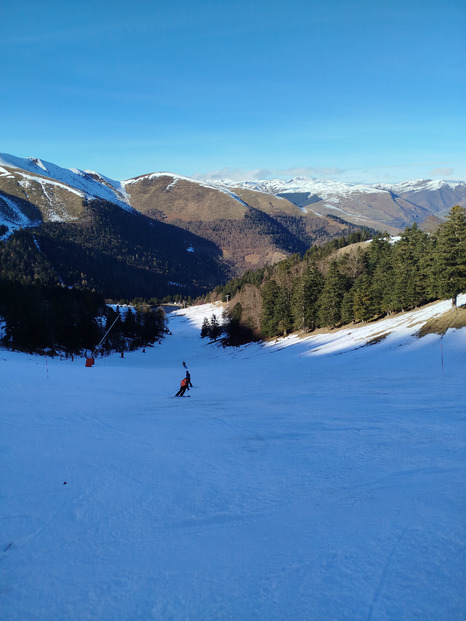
91,184
177,178
33,173
313,478
389,207
361,204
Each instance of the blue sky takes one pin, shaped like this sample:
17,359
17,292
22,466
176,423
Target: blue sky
355,91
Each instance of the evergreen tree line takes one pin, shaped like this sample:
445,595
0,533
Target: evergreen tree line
327,288
257,277
55,319
232,331
137,327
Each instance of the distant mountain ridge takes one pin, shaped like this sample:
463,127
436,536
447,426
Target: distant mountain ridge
326,188
205,230
382,206
378,205
77,228
249,229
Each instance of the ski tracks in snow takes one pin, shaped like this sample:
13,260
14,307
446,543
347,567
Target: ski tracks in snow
385,570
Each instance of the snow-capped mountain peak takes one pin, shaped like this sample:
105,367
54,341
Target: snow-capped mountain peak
92,185
321,187
419,185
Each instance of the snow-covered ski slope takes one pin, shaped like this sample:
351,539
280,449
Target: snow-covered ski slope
303,480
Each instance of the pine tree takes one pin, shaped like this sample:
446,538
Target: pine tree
450,255
383,284
347,307
129,324
378,251
411,282
269,318
363,300
205,330
215,328
306,292
335,287
283,311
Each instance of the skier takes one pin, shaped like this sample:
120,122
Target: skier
184,387
188,377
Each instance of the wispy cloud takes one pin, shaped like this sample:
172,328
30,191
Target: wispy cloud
389,173
240,174
441,172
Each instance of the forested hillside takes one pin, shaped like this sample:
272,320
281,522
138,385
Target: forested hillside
341,282
120,254
54,319
54,278
181,238
153,236
252,229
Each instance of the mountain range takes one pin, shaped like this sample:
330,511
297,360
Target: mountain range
166,234
390,207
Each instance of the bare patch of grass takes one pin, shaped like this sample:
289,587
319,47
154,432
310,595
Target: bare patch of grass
376,339
454,318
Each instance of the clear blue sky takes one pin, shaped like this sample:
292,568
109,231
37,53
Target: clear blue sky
352,90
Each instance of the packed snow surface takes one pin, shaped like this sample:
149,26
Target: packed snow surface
317,478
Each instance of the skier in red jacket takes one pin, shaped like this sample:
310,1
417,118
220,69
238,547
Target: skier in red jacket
184,387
